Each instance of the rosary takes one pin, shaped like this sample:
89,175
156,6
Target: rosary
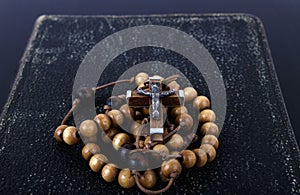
151,126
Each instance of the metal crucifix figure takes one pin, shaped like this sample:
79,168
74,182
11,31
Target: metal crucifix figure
156,94
155,98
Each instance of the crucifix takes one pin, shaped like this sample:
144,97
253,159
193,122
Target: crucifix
154,97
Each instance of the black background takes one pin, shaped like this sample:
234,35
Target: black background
280,18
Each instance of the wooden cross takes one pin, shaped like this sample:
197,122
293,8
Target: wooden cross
154,98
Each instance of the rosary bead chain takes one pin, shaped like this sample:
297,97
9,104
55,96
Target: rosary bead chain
174,158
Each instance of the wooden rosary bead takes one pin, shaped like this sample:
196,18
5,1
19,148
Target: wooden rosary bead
189,94
148,179
209,128
127,112
189,158
185,121
178,111
171,166
162,177
201,103
140,78
210,151
135,126
201,157
207,116
108,135
125,179
173,85
59,132
70,136
161,148
103,121
144,131
92,139
109,172
97,162
176,142
116,117
111,133
89,150
88,128
210,139
120,139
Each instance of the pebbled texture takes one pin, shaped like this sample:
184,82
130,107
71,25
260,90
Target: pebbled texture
258,152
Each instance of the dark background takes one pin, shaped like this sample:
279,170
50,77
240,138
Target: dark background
280,18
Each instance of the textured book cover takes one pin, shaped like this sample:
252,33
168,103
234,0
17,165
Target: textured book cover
258,152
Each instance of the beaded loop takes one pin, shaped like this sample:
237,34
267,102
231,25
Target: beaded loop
171,152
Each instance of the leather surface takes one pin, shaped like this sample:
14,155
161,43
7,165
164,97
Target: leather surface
257,154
